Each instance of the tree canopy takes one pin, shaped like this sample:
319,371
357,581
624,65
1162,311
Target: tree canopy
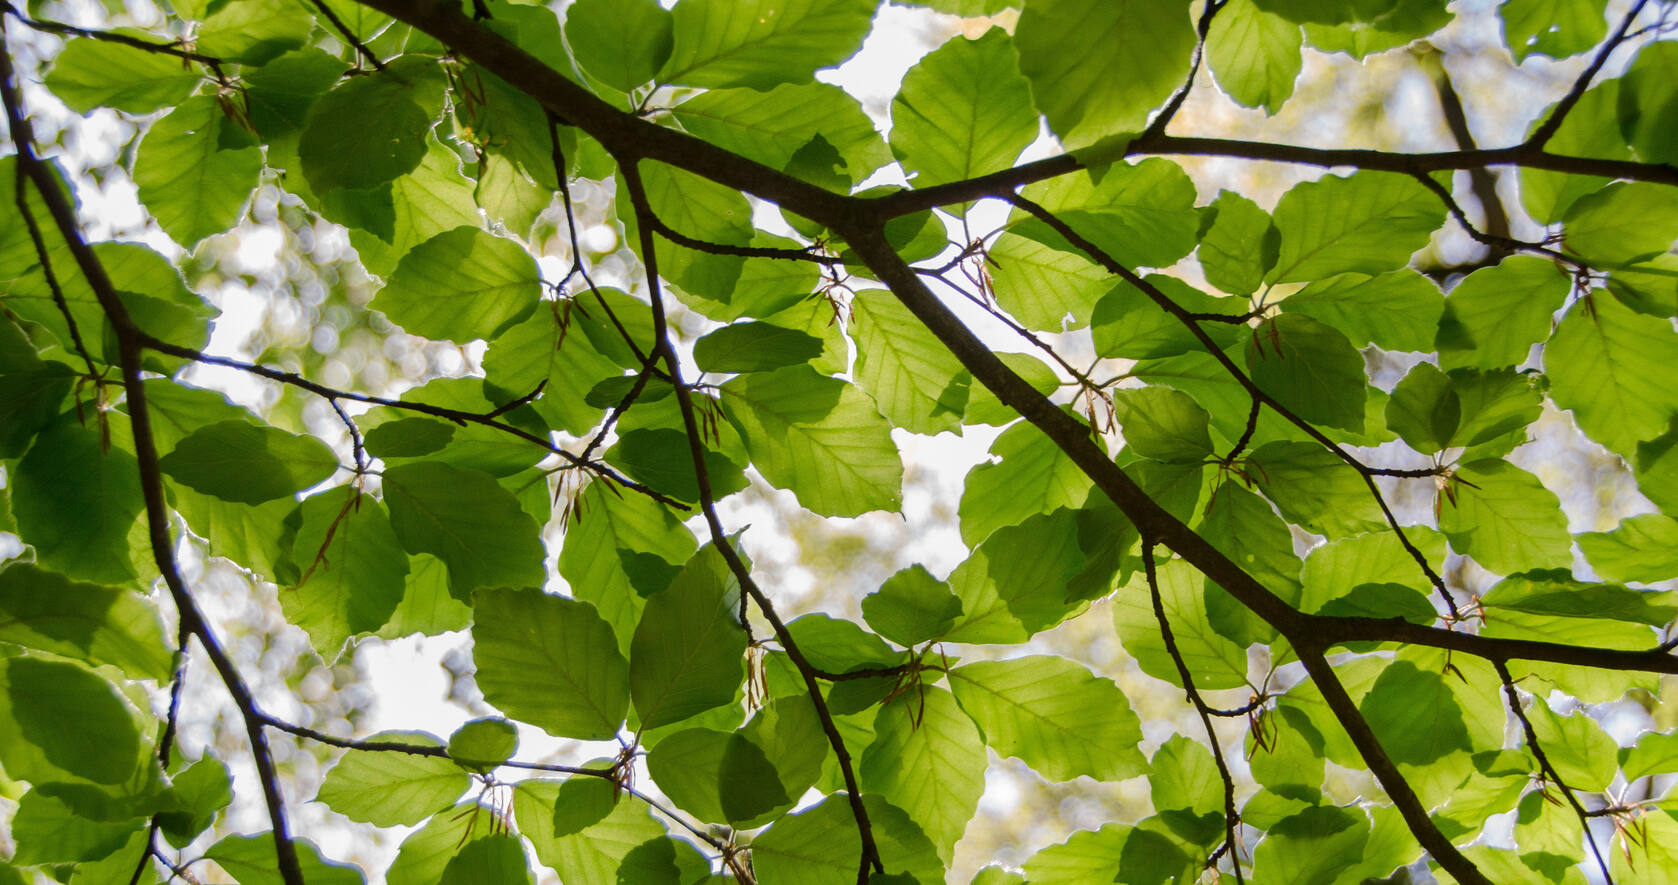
1279,442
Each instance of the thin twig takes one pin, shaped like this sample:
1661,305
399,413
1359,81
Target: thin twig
1548,769
870,859
145,453
349,35
1232,818
209,61
1547,130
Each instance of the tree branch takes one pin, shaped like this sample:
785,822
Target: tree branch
1232,818
130,344
870,859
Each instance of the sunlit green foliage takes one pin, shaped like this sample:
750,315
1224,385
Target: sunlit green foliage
1293,480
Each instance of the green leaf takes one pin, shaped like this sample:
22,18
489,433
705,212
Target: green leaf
839,646
984,407
1556,28
30,401
461,284
101,625
47,830
911,607
1505,518
467,520
1241,245
963,111
1415,715
1496,314
1142,214
688,654
695,207
817,437
90,74
913,378
72,716
482,744
1641,548
540,349
928,759
1556,593
369,130
754,347
1425,410
663,459
1312,847
586,836
1254,55
496,859
634,529
775,127
1128,322
1309,368
1185,778
1646,119
1380,27
622,43
278,94
1314,488
427,851
1399,310
75,502
1039,285
551,662
1608,366
1086,855
254,31
1099,67
1654,753
1032,475
354,570
1054,715
759,43
817,846
250,859
1621,223
391,789
248,463
1244,528
427,607
195,170
1215,661
717,776
1591,129
1369,222
1581,752
1163,424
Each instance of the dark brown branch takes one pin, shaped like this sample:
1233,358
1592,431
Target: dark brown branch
1232,818
998,184
870,859
129,339
1549,770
